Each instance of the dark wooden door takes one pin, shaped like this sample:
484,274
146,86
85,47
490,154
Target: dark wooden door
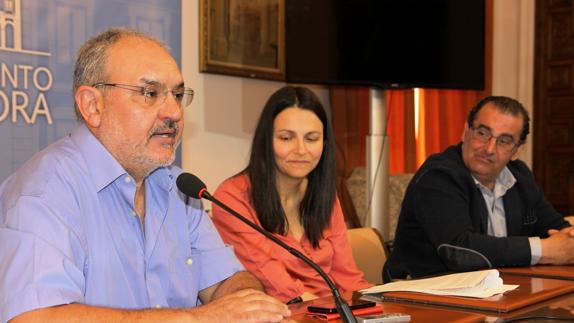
553,125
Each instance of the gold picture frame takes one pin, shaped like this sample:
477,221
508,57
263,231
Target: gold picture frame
243,38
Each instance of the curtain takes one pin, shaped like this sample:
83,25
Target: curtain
442,115
350,120
400,131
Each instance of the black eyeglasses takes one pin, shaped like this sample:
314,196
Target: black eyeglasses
504,142
156,94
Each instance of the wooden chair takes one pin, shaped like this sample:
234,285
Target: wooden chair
369,252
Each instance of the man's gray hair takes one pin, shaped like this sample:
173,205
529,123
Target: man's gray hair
90,67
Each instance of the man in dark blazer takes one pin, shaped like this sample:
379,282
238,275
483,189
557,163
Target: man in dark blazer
477,206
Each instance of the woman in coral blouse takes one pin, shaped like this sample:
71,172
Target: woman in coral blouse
288,188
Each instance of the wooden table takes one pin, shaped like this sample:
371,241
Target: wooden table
531,290
536,296
418,313
548,271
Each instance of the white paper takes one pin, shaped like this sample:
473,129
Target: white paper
477,284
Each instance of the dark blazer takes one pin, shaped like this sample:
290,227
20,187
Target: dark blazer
442,226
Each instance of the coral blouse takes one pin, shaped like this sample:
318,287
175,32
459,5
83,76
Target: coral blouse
282,274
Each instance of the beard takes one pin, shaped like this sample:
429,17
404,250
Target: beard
134,154
151,162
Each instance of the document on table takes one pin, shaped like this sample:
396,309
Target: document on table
477,284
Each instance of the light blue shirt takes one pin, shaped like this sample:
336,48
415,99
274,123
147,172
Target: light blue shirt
496,214
69,234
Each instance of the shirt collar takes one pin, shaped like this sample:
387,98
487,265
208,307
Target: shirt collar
104,168
504,182
162,177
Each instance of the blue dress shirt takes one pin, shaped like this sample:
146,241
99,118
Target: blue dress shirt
69,234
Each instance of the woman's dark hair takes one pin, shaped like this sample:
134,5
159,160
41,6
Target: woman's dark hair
505,105
319,199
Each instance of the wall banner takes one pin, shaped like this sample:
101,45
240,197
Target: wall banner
38,44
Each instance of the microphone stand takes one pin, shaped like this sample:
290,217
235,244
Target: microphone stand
342,307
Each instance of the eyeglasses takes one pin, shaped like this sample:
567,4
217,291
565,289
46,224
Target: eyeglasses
505,143
156,94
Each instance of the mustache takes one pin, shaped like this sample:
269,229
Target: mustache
486,155
167,126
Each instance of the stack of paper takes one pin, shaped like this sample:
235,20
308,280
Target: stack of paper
477,284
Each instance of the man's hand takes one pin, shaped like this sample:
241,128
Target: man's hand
247,305
239,298
240,280
558,248
236,299
569,230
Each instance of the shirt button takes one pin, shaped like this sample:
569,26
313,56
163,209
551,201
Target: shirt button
189,261
158,306
134,213
127,179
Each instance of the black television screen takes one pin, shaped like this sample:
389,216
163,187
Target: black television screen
386,43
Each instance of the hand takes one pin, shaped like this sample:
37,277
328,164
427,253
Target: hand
558,248
247,305
569,230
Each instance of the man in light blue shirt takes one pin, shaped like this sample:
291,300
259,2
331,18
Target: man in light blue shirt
93,228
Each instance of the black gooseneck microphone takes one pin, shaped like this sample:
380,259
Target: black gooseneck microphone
192,186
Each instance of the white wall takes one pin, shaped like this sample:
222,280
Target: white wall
513,56
220,122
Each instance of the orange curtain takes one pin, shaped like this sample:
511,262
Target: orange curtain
441,119
442,115
400,131
350,120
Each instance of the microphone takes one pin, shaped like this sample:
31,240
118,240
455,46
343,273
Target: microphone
192,186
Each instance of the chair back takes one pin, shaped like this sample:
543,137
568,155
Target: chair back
397,188
369,252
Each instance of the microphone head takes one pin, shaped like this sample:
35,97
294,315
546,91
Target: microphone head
191,185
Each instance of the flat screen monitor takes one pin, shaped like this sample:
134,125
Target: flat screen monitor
386,43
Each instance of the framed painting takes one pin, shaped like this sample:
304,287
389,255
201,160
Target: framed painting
243,38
